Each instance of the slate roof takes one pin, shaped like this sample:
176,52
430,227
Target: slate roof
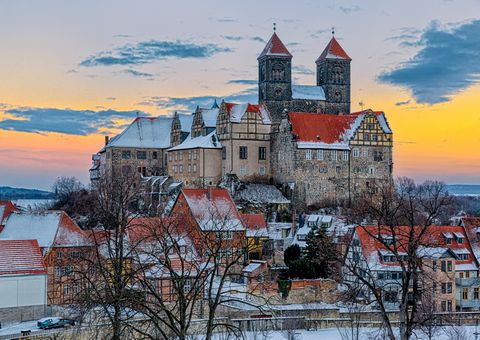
144,132
6,208
308,92
333,50
237,111
20,257
209,141
275,47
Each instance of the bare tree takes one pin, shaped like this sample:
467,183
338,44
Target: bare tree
400,217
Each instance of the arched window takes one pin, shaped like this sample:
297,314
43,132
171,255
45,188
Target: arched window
278,72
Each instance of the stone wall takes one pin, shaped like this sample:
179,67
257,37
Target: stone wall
20,314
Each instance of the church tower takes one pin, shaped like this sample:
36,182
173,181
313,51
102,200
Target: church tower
275,76
333,74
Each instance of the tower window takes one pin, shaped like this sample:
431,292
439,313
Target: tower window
278,72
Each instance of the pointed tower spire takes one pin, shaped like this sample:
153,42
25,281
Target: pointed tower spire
215,105
275,47
333,50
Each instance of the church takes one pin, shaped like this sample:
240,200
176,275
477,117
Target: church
301,138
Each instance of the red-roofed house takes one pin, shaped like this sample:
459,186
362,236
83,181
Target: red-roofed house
451,268
210,215
330,157
23,280
62,244
259,243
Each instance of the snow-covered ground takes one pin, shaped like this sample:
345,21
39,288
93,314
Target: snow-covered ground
19,327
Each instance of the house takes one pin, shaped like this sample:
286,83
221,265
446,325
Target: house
259,246
62,244
212,221
450,271
472,228
23,280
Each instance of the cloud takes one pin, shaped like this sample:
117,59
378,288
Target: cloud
189,104
258,39
138,73
446,63
300,69
66,121
149,51
348,10
227,19
402,103
232,37
243,81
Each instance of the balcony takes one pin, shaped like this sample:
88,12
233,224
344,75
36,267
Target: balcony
468,282
468,303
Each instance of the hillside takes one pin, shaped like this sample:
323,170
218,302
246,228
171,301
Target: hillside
9,193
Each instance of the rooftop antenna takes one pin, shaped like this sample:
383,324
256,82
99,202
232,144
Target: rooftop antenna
274,26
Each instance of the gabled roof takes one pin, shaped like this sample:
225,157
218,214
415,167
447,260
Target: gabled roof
21,257
237,111
209,117
185,122
50,229
144,132
209,141
6,208
434,243
319,130
213,209
256,225
472,228
275,47
333,50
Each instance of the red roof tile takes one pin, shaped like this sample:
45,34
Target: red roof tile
434,237
275,47
333,50
21,257
254,221
315,127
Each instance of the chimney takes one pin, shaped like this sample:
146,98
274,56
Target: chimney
294,222
106,140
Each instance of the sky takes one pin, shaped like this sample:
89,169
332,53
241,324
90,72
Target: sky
74,71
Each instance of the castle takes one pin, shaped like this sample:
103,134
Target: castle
302,138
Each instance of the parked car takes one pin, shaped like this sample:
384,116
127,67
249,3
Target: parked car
54,322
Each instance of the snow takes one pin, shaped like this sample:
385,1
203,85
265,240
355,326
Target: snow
42,227
322,145
252,267
467,266
186,122
308,92
237,112
144,132
32,204
261,193
265,115
209,141
383,123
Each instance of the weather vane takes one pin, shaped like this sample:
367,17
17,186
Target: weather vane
361,104
274,26
333,30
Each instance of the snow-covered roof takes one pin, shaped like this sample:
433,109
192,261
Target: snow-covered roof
448,235
213,209
50,228
210,116
251,267
326,131
465,266
261,193
461,251
308,92
209,141
313,218
458,235
237,111
275,47
21,257
186,122
144,132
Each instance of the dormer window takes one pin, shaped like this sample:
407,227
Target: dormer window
459,237
448,238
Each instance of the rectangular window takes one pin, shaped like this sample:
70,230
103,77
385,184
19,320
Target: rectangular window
181,156
320,155
187,286
308,155
141,155
262,171
444,288
377,156
356,153
345,155
434,266
476,293
444,266
448,240
175,155
334,155
460,240
59,254
366,137
194,167
243,152
449,288
189,168
126,154
175,169
195,154
243,171
449,266
154,155
224,152
262,153
170,156
66,289
449,306
465,294
180,168
58,271
444,306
